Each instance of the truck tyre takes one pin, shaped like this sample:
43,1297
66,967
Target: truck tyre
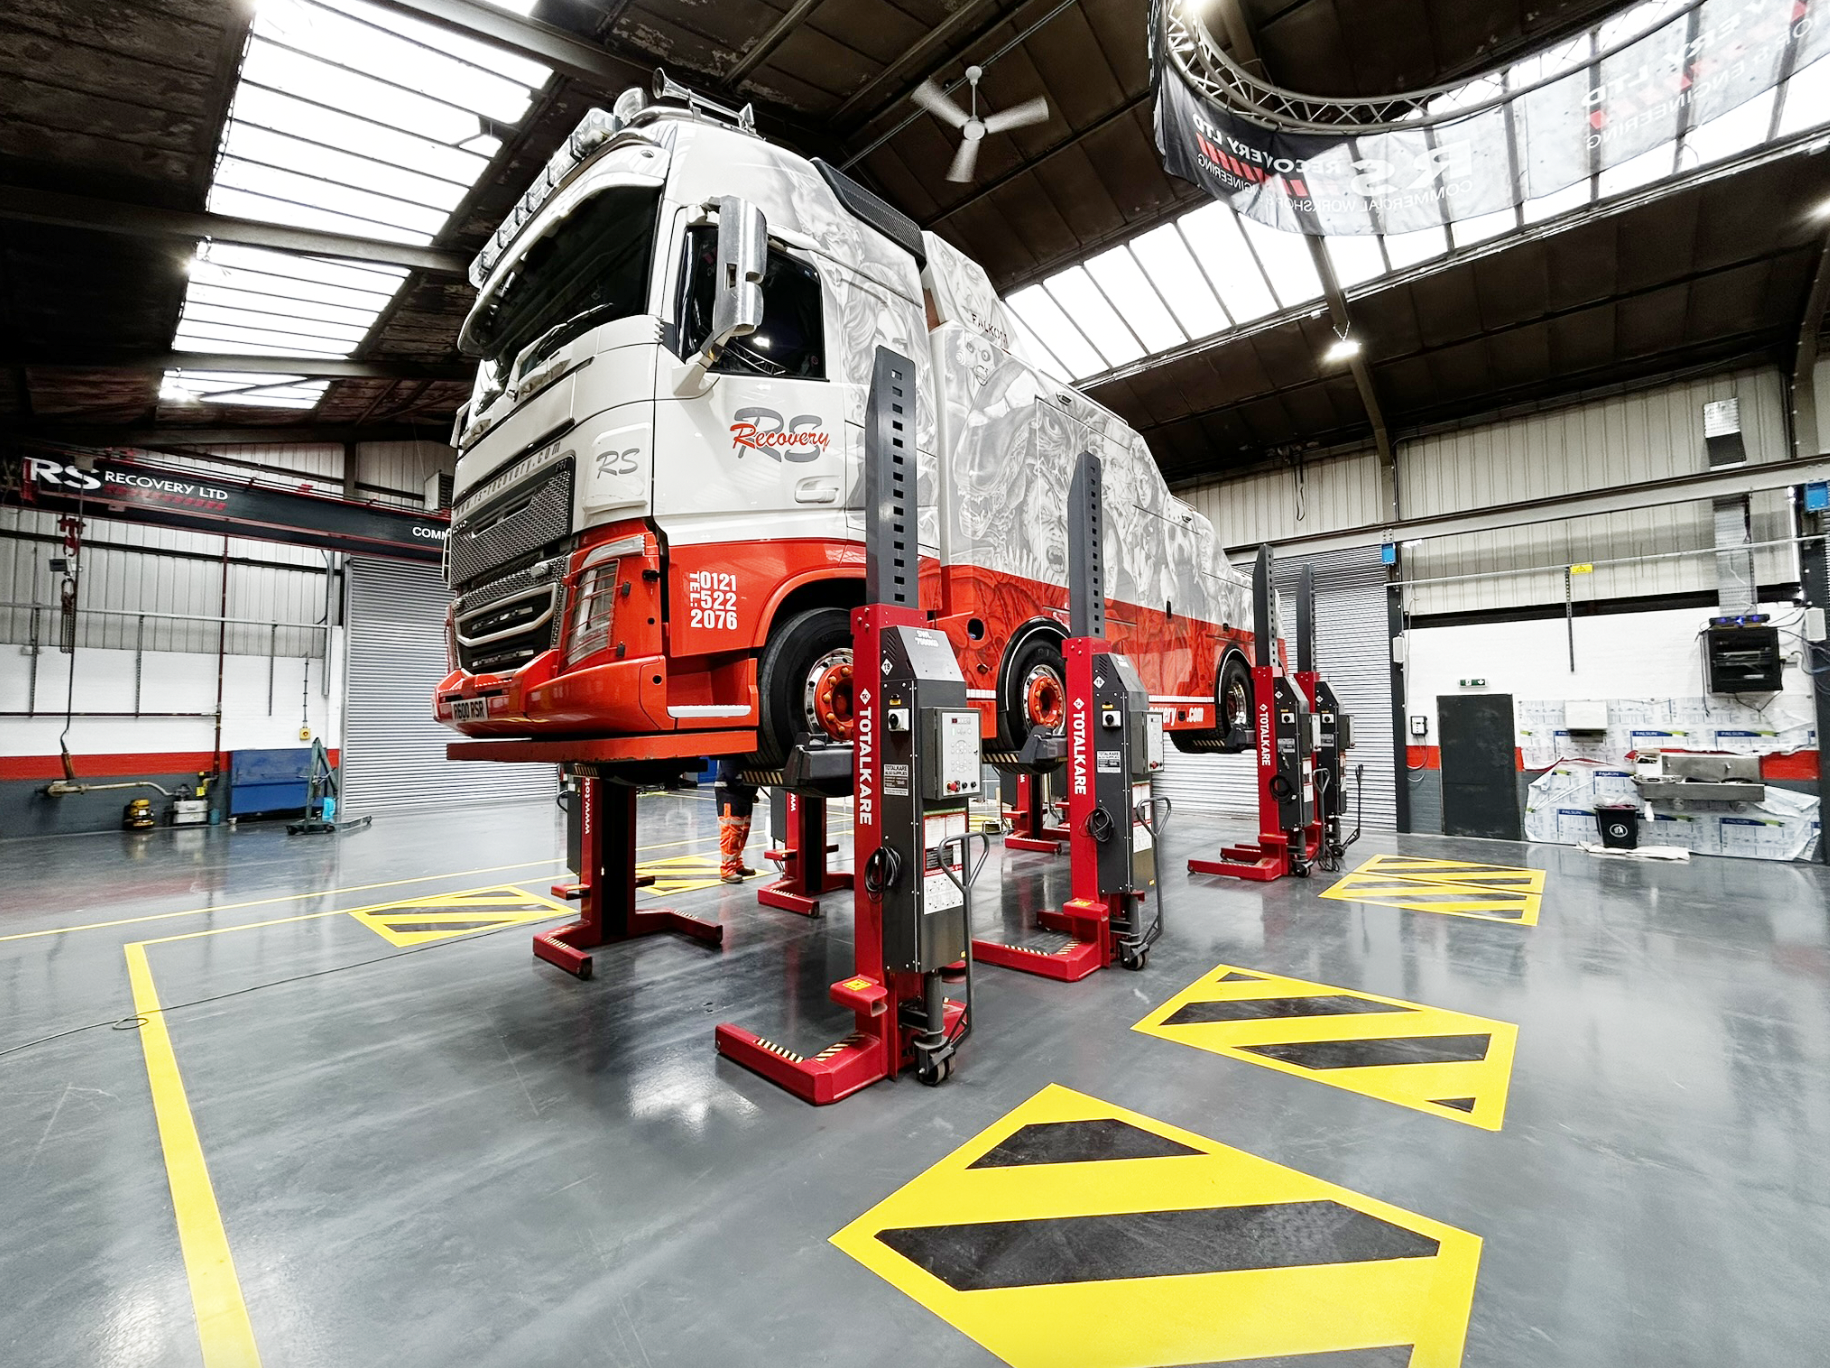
1035,690
804,682
1233,697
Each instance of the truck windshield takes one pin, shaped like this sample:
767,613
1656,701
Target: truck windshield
591,269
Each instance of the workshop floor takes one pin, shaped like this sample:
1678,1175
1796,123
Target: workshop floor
438,1151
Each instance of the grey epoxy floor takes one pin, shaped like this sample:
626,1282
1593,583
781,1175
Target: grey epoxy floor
462,1156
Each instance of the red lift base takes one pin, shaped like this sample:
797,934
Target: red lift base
869,1054
1088,925
1029,824
1251,862
606,887
802,858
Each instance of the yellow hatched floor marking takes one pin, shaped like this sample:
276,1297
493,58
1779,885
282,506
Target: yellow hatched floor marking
1433,1060
1460,888
681,873
1073,1232
414,921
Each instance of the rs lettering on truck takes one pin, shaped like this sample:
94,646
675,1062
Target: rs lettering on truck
800,438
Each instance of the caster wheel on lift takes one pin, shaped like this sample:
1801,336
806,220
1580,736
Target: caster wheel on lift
1132,957
933,1074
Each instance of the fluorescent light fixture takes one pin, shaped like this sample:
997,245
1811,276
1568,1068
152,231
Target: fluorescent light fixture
1344,350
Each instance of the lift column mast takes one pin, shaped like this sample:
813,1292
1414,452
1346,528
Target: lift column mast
916,768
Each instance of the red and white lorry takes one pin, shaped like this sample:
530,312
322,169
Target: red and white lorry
658,517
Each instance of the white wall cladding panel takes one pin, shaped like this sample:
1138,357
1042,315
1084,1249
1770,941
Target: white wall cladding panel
403,466
320,463
1343,491
393,751
1353,652
144,580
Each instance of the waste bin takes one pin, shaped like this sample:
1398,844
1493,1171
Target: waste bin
1619,823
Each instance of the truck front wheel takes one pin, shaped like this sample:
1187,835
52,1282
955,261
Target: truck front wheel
805,682
1036,691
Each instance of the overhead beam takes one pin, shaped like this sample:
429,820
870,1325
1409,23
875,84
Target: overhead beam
1716,484
317,367
774,38
843,117
1362,377
140,220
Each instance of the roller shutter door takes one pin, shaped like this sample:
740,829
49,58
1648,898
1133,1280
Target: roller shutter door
1354,656
393,752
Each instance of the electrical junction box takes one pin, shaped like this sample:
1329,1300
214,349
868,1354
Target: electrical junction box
1420,725
1585,716
1817,497
1744,660
953,742
1814,626
1153,741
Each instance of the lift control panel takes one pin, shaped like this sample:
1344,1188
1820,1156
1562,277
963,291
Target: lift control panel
1287,736
927,772
1122,766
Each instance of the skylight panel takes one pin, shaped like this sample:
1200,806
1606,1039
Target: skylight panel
1123,282
1729,134
247,142
1557,202
1030,348
1807,99
1649,166
1481,227
1165,258
1037,308
352,119
258,107
1408,249
1356,260
327,197
1286,261
470,50
1074,290
1640,19
316,30
1213,236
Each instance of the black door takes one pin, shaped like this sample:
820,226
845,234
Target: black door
1480,786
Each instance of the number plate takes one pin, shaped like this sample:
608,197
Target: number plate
470,710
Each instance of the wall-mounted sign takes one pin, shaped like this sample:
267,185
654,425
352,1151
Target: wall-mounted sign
134,491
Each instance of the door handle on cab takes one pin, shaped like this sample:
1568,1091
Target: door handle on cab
817,489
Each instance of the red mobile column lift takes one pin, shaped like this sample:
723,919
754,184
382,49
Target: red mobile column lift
1115,743
813,772
609,773
1029,827
1333,738
916,769
1284,738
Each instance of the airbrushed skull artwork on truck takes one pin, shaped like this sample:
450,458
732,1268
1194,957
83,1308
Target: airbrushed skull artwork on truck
658,519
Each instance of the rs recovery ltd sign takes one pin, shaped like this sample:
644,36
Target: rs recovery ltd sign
132,491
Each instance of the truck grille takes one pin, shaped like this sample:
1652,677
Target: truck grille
505,624
510,522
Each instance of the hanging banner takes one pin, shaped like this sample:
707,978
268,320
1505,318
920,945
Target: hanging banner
1624,89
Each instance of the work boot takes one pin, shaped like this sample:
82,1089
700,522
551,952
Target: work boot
733,836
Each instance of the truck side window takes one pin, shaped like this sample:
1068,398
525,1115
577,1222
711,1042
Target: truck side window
792,339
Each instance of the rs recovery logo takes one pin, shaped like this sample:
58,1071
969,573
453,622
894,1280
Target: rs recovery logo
800,438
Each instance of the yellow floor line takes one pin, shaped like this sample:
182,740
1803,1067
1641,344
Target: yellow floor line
223,1330
325,893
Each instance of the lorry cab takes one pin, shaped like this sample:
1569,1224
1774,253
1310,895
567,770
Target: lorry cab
657,512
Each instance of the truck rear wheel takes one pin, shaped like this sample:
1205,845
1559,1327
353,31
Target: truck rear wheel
805,682
1232,729
1035,691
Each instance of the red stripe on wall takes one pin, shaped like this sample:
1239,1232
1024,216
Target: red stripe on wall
1792,765
47,767
1423,757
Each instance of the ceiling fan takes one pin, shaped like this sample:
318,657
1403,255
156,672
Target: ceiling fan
972,128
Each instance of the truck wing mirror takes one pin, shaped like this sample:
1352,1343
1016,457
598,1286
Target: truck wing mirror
743,256
737,297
